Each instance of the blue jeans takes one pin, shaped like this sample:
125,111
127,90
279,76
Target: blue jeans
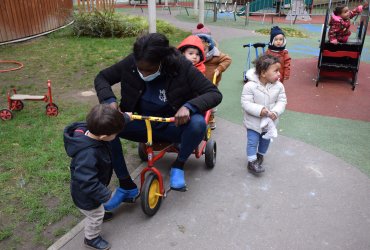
254,142
188,135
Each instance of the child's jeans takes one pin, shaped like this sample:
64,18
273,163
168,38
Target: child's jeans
93,222
254,142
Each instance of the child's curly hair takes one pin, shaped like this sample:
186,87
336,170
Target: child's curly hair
338,9
264,62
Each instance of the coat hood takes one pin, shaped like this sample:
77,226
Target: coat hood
194,41
75,139
252,76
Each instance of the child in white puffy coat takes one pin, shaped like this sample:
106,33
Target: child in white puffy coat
262,96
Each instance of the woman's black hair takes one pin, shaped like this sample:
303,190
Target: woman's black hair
338,9
264,62
155,48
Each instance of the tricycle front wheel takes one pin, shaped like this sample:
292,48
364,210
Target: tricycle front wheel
52,109
151,196
6,114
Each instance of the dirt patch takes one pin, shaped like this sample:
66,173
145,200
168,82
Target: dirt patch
87,95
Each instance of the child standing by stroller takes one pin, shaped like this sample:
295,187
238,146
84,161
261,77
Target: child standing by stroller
91,166
216,62
276,48
192,48
262,96
340,23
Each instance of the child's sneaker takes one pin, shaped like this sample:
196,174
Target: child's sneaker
97,243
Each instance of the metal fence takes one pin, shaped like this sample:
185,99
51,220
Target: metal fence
292,9
92,5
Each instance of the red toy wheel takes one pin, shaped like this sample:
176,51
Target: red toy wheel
6,114
16,105
52,109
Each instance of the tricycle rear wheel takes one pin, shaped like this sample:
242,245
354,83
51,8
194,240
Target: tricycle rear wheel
16,105
141,149
210,154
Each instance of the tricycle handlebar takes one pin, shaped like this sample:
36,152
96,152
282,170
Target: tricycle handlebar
153,118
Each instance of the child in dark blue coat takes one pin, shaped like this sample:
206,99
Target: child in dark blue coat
91,166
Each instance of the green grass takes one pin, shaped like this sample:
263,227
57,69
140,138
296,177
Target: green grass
34,168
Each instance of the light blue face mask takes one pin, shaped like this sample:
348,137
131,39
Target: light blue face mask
151,77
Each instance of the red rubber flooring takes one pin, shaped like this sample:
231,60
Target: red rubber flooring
332,97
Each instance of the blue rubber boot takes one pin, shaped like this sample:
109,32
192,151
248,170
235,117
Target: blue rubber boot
177,179
121,195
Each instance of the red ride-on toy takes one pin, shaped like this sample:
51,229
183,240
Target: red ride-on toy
152,185
15,103
152,188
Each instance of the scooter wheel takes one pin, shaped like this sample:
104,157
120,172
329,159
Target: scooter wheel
151,195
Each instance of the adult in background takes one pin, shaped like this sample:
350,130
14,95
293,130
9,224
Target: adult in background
156,80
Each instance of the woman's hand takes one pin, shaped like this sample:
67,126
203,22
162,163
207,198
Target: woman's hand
129,115
182,116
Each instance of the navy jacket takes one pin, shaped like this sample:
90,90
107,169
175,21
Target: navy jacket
187,85
91,167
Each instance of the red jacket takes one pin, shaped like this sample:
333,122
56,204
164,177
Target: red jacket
339,28
196,42
284,59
